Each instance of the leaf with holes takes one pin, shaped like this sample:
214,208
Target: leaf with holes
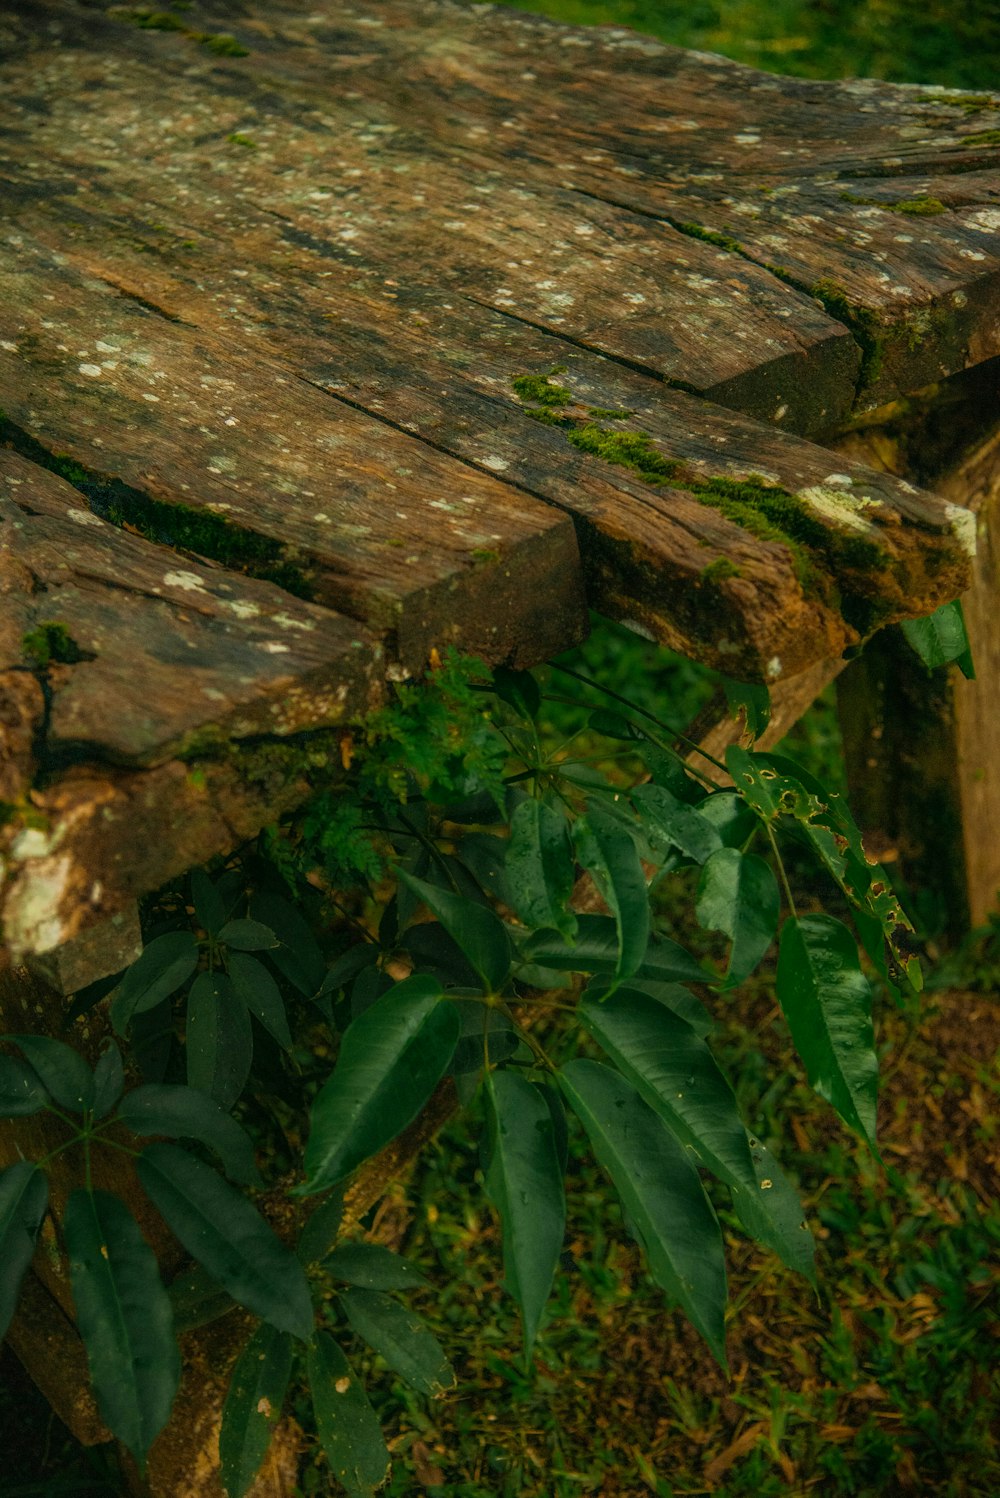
348,1427
253,1407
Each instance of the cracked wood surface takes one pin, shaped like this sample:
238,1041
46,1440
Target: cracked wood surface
269,310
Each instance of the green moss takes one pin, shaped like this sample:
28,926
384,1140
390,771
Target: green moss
221,44
982,138
716,571
863,323
919,207
710,236
922,207
236,139
483,556
196,531
968,103
819,553
541,390
155,20
631,450
608,413
50,642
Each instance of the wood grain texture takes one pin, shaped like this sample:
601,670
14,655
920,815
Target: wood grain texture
168,652
881,199
446,373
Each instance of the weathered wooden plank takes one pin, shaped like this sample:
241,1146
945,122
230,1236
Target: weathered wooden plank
372,184
252,466
146,655
689,567
882,200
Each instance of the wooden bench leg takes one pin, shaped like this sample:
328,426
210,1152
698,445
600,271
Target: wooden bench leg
920,746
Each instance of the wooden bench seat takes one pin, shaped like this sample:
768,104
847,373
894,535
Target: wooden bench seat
375,330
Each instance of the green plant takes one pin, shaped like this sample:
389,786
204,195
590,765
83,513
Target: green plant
463,831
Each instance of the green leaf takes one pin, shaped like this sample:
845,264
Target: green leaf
209,906
519,690
298,957
219,1228
21,1090
187,1113
674,1071
539,867
124,1318
391,1059
673,824
479,933
676,1074
738,894
660,1191
750,699
321,1230
161,969
24,1196
218,1041
485,1031
941,637
771,1212
399,1336
259,993
370,1266
595,950
197,1299
610,856
248,936
348,1426
525,1183
109,1080
253,1407
826,1000
63,1072
729,815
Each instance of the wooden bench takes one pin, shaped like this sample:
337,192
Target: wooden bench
333,335
278,311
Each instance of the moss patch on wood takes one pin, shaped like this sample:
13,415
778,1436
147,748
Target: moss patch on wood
866,326
822,557
176,525
710,236
982,138
919,207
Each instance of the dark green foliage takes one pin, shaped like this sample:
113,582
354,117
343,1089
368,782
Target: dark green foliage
48,643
